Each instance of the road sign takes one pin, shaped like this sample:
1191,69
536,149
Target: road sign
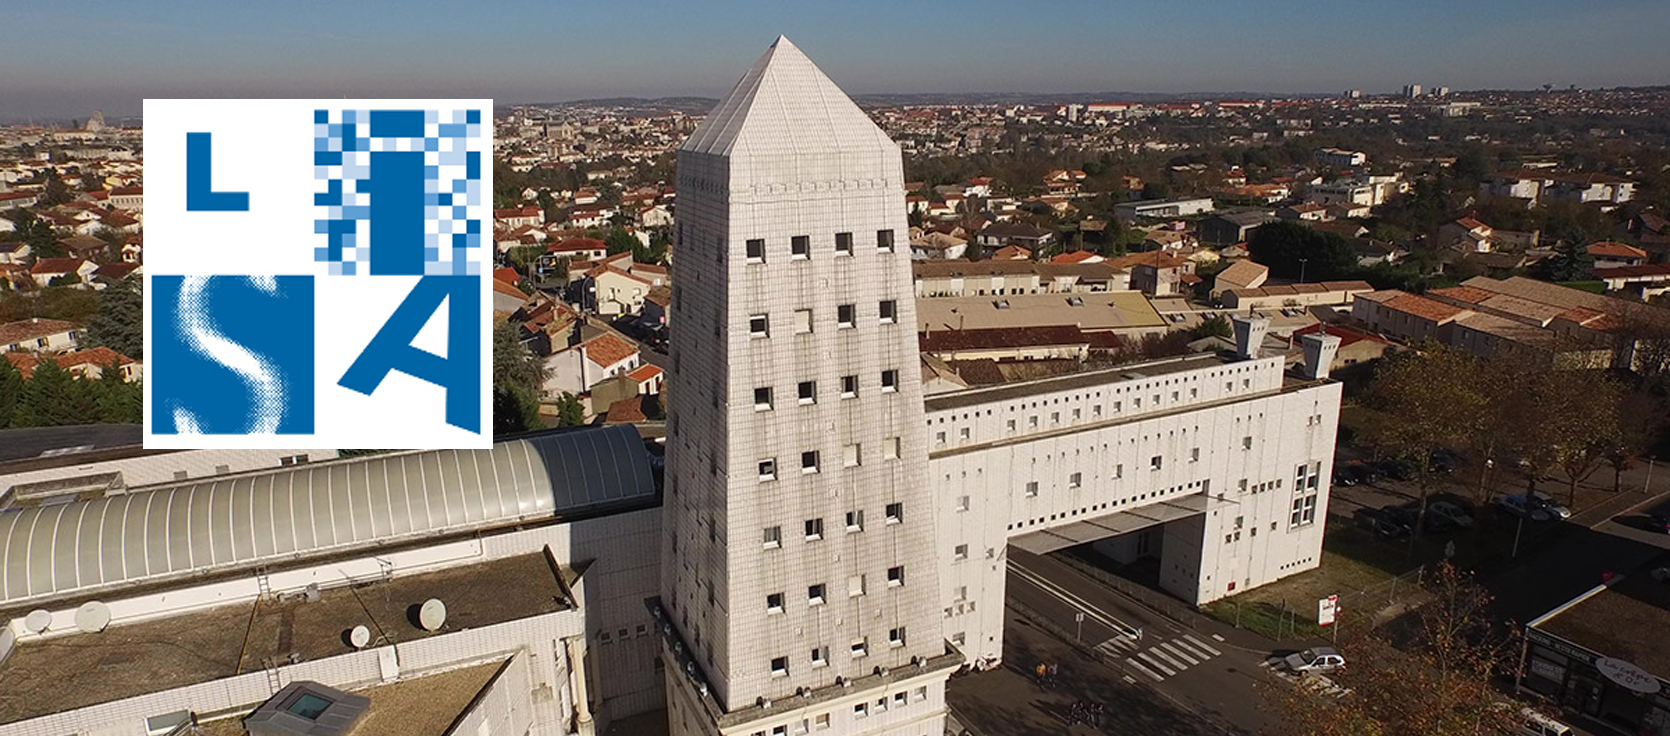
1326,609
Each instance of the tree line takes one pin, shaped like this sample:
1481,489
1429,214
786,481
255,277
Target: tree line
54,397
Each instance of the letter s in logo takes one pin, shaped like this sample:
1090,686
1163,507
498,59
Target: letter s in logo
234,355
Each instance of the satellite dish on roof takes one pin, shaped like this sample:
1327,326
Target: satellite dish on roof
37,621
92,617
432,616
359,636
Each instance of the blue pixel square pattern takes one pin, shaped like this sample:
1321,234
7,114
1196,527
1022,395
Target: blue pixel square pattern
395,184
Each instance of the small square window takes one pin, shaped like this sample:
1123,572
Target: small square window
939,437
1075,480
822,719
843,244
846,315
890,448
860,648
960,552
1246,442
884,240
889,311
820,657
960,593
802,321
896,576
779,666
1194,454
809,461
920,693
890,380
896,637
814,529
815,594
800,247
855,520
773,537
1009,425
762,398
963,434
1031,488
806,392
895,512
852,456
1156,462
899,698
861,710
756,251
849,386
774,603
768,469
962,503
759,326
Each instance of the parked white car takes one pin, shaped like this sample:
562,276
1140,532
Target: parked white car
1554,508
1315,659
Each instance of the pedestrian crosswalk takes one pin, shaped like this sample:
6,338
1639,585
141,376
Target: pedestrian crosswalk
1160,660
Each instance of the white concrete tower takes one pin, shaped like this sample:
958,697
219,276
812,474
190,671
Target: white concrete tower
800,572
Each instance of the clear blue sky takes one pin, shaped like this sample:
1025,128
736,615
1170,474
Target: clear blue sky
63,59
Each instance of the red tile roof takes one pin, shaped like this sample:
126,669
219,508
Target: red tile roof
29,329
629,409
57,265
1423,307
1467,294
1609,249
607,350
644,373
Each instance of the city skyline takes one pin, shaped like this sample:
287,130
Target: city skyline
551,54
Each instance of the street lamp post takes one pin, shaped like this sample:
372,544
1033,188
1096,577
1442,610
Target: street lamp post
1302,269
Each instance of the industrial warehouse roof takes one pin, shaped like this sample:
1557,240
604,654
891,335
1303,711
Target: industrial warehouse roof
243,520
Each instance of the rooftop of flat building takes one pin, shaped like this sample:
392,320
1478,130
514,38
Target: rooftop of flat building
1086,379
1102,310
63,673
427,705
1625,619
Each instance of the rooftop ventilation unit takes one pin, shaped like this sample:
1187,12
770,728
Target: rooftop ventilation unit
307,708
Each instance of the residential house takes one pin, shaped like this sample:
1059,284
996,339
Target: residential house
1608,254
1467,235
1600,188
999,234
1240,275
657,307
617,286
131,199
47,270
1304,212
936,246
39,335
1642,281
1228,228
15,252
579,249
575,369
1167,240
9,200
1011,253
1340,158
655,216
111,273
516,217
86,247
90,363
133,249
1077,256
1371,252
1159,273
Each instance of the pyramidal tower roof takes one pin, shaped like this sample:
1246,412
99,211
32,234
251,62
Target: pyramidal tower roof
785,105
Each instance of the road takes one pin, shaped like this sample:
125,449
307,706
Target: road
1203,667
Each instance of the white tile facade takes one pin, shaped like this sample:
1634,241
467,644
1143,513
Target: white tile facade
793,244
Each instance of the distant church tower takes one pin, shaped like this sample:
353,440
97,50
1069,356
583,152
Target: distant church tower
95,124
800,565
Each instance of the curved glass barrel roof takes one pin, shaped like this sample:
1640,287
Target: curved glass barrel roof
257,518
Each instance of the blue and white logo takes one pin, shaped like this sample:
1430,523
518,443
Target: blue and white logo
316,273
